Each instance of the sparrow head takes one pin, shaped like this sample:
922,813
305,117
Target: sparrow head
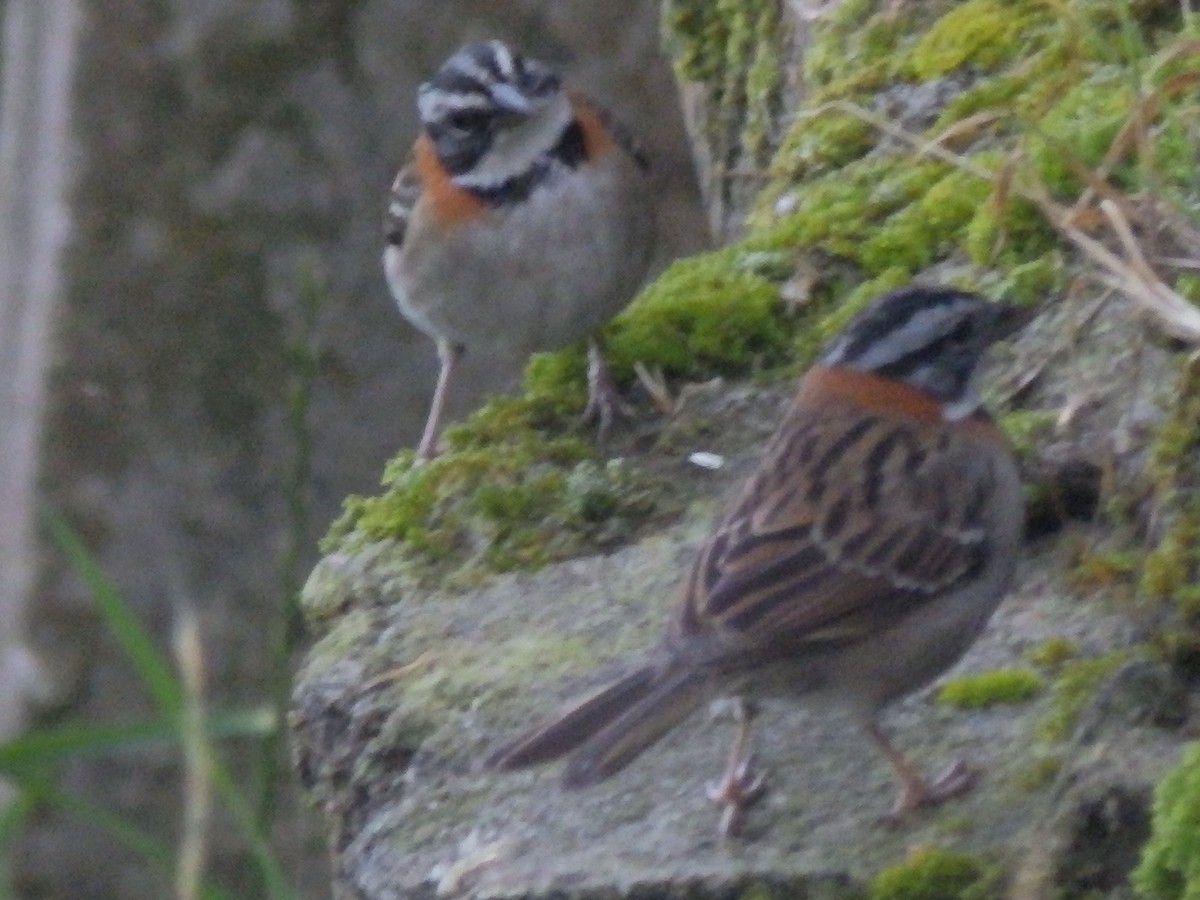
930,338
492,113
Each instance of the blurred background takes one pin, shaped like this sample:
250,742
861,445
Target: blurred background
199,359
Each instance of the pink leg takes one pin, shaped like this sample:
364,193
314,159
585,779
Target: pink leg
915,792
604,400
741,786
448,354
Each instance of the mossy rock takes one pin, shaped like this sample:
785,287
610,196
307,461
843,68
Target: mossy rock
1170,866
983,689
933,873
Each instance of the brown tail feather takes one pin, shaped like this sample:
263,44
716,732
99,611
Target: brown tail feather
672,697
609,728
566,731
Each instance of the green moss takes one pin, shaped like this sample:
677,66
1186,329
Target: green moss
1171,570
558,379
881,211
1038,774
1075,685
1178,438
1188,286
1078,130
507,495
955,826
701,35
931,873
822,142
764,79
927,228
1033,281
757,892
847,192
1022,90
852,49
895,221
1012,234
1171,565
840,211
714,313
984,689
1170,865
983,33
1178,433
733,47
1051,653
448,678
1104,568
1181,649
1025,428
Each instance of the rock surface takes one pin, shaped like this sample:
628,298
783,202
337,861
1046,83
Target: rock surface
408,690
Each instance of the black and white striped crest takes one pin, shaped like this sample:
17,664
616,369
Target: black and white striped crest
481,90
932,338
472,75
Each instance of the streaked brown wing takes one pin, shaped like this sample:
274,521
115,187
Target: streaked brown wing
847,523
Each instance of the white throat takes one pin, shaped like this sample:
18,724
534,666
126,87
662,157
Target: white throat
968,403
962,408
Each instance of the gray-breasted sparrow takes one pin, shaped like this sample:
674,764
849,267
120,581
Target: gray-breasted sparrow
524,221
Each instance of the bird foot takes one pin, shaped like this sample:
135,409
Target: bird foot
739,789
954,782
604,403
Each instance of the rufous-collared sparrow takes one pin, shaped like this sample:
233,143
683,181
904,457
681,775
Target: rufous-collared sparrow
524,221
861,559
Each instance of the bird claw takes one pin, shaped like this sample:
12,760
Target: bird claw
604,402
739,790
955,781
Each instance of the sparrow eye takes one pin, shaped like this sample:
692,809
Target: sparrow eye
964,333
468,121
539,83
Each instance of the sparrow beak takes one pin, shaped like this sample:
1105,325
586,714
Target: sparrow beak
509,99
1010,319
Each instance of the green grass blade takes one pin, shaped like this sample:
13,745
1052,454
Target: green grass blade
35,751
156,672
25,760
147,847
12,821
152,666
275,883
